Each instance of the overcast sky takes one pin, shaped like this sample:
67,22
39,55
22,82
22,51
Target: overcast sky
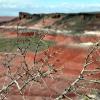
12,7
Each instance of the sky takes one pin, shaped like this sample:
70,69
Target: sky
12,7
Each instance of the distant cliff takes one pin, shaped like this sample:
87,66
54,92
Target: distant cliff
25,15
57,15
67,21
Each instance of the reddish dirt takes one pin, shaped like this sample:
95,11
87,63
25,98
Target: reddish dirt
10,34
69,59
6,18
61,39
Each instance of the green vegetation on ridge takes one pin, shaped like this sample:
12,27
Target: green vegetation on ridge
31,43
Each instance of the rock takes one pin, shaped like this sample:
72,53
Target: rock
25,15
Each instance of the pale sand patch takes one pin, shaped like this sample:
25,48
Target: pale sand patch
82,45
92,33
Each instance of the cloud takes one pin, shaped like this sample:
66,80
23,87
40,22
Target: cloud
17,3
76,5
38,6
14,6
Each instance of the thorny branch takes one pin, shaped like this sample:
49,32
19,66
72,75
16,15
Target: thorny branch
81,76
25,73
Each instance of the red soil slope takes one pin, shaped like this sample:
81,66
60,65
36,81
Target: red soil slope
61,56
70,60
6,18
61,39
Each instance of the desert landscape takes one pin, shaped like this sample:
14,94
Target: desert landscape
52,56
